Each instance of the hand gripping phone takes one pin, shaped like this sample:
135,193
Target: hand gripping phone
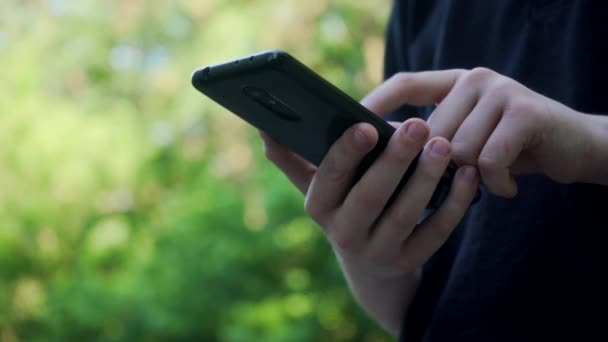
277,94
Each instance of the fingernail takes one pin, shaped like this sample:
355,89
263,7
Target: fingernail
470,173
440,148
416,132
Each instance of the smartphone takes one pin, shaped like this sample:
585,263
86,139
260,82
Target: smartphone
279,95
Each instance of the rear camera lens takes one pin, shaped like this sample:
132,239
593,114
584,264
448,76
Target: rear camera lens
254,91
271,103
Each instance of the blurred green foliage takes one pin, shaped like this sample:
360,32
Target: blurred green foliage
133,208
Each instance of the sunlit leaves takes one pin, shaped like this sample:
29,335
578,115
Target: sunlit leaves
133,208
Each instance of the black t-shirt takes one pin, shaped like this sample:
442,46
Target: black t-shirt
534,267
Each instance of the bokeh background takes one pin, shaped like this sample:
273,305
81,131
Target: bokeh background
133,208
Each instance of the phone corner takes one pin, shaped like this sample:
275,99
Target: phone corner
199,76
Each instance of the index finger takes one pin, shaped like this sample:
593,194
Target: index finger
415,88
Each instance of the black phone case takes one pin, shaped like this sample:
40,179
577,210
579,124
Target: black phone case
282,97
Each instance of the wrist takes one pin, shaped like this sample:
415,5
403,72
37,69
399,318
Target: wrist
358,265
385,296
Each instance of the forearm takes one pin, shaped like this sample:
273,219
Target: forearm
595,165
384,298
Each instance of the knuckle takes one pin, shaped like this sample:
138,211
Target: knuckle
501,87
475,77
314,209
368,199
516,109
457,202
442,229
487,161
400,217
333,172
430,168
461,152
482,72
432,177
401,152
343,239
405,77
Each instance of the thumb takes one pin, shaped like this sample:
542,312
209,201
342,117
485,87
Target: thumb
417,89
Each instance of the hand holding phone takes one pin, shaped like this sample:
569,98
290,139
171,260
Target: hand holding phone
277,94
320,138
